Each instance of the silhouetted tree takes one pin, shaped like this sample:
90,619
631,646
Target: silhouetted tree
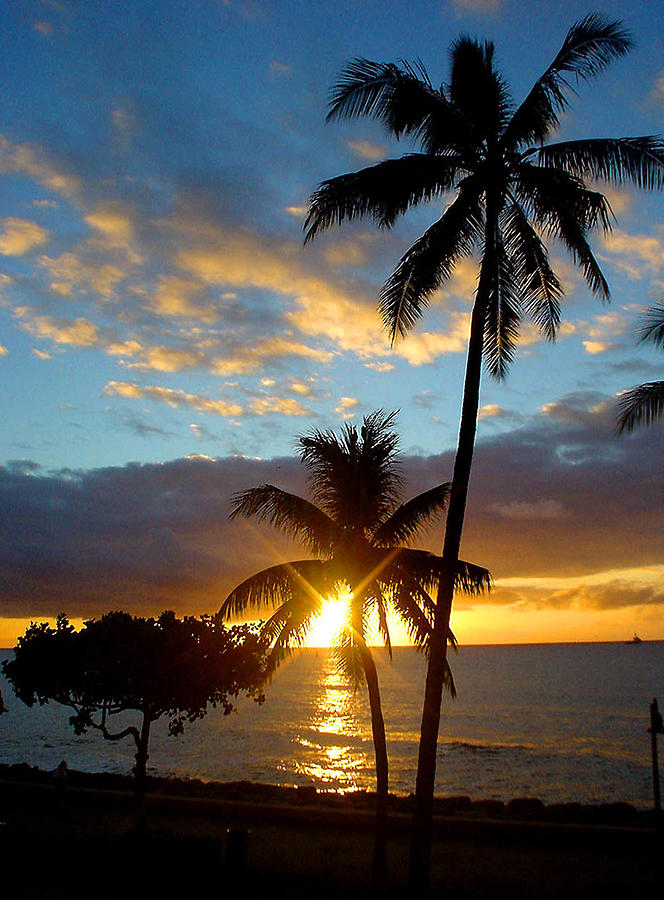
153,667
505,192
357,530
644,404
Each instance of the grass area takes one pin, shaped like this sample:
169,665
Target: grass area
83,843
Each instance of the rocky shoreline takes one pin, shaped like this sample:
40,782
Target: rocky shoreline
518,809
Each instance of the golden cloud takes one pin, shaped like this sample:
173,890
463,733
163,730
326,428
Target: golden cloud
31,161
174,296
166,359
285,406
367,150
595,347
637,255
346,407
114,221
19,236
491,411
173,398
77,333
70,271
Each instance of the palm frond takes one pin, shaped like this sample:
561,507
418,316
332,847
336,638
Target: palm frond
421,570
430,262
503,310
400,96
409,518
288,626
288,513
589,47
643,405
539,288
308,579
409,603
637,160
347,655
477,90
355,477
384,191
471,579
653,326
564,208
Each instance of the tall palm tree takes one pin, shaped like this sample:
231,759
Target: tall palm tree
356,529
644,404
506,192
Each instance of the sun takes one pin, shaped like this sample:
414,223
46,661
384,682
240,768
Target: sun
329,622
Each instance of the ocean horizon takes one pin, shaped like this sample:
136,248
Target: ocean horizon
564,722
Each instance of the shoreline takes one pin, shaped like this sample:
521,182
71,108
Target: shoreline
296,843
158,788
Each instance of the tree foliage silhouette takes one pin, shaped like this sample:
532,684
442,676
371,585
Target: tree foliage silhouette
127,664
506,192
357,530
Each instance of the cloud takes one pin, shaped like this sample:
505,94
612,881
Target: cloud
347,407
476,7
380,366
284,406
542,509
595,347
44,28
18,236
41,354
491,411
657,92
279,70
297,387
28,160
173,398
72,271
367,150
175,296
591,546
80,332
636,255
3,350
572,520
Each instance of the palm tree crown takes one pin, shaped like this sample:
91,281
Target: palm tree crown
356,530
644,404
507,189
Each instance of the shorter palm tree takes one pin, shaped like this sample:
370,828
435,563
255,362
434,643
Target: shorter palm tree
356,529
644,404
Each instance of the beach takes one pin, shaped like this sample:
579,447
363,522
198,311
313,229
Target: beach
301,843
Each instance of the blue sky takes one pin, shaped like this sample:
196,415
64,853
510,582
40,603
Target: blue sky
156,301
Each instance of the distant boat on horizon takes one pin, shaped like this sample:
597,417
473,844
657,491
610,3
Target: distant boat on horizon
635,640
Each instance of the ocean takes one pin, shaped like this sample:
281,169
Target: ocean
563,722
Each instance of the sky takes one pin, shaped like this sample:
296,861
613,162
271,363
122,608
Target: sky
165,335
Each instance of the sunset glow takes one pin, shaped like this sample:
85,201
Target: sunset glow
164,332
330,621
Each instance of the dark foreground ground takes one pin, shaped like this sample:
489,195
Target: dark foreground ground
251,841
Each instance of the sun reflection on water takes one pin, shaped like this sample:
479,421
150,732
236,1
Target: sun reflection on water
336,745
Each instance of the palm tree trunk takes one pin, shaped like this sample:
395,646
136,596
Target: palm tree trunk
379,864
420,848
